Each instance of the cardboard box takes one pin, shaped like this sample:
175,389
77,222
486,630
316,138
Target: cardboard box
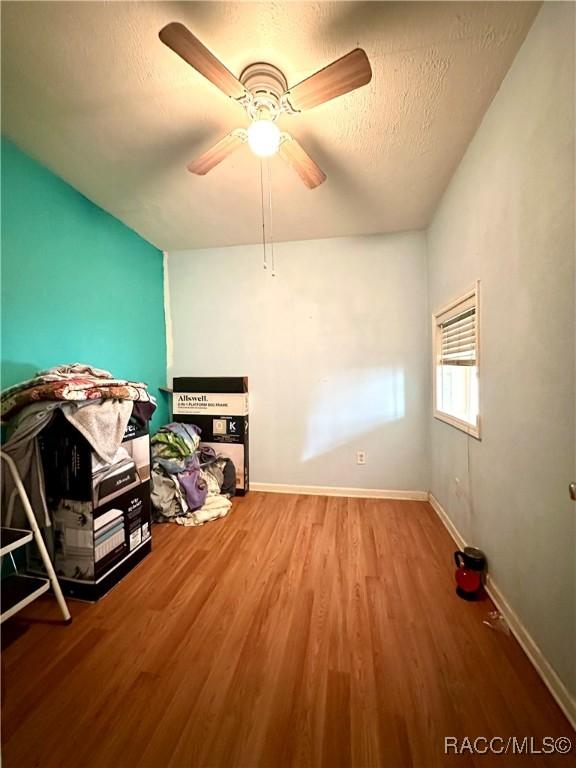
100,511
219,406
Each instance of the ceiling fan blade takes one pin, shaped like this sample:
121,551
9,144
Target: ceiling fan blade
343,75
177,37
309,171
217,153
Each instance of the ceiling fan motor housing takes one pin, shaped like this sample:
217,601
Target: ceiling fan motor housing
266,84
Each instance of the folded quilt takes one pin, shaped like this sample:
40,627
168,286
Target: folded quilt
70,387
75,369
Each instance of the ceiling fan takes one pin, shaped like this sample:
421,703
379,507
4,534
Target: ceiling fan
263,92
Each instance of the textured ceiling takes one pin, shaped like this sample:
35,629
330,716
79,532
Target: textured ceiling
89,90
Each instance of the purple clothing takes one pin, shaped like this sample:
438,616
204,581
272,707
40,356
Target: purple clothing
194,487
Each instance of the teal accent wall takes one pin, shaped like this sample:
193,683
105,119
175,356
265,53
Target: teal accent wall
77,284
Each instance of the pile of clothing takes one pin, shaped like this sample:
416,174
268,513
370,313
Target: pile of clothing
94,402
191,484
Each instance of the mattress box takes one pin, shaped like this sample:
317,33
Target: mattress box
100,510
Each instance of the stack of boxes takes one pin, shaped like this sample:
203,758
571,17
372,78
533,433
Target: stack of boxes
100,511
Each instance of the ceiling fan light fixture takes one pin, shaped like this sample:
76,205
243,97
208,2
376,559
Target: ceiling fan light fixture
263,138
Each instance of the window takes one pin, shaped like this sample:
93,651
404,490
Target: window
456,359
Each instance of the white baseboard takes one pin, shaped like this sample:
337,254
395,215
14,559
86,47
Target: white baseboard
564,699
357,493
448,524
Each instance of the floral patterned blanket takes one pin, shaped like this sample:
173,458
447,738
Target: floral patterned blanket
71,382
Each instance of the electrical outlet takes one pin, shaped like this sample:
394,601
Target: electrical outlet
361,457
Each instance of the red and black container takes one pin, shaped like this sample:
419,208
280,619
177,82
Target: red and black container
470,573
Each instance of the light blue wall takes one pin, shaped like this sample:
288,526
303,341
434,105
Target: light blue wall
507,219
335,348
77,284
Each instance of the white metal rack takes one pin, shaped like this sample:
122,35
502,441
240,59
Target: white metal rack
19,590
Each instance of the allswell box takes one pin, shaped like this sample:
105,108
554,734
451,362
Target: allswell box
219,406
100,511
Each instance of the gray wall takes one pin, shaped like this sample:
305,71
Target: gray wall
507,218
335,346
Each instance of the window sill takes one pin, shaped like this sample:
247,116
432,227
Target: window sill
464,426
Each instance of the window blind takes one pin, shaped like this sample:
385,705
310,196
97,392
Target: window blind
458,338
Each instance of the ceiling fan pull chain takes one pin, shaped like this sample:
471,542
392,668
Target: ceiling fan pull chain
263,222
271,233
